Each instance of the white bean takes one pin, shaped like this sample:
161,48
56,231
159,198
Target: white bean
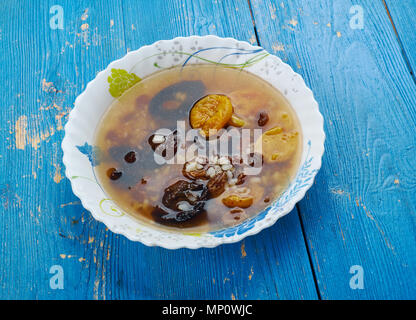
157,138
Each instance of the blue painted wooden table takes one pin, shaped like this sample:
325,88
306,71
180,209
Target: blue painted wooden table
352,237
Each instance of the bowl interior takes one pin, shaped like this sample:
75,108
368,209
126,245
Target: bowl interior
90,106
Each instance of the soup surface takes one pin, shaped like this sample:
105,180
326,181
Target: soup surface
152,174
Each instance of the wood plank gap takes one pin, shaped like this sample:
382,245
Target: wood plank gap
315,280
404,54
254,22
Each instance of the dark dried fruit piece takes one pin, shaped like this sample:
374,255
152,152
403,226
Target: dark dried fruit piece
263,119
195,174
181,202
216,185
241,179
166,149
255,160
176,99
184,191
114,174
130,157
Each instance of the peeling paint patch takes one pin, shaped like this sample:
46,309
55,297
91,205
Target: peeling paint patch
293,22
243,250
85,15
337,191
84,26
272,10
251,273
20,132
48,86
278,47
57,178
338,34
371,217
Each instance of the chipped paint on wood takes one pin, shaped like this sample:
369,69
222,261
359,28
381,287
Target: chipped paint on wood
243,250
20,132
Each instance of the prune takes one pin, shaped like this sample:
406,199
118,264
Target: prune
184,191
176,100
181,194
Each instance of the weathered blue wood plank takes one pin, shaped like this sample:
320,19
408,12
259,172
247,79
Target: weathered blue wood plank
362,208
403,18
43,223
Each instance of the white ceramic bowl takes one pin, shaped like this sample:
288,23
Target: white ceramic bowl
78,142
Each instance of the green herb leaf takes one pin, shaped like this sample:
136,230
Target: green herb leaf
120,80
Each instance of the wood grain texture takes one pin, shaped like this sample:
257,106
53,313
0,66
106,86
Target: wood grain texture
403,18
362,208
43,223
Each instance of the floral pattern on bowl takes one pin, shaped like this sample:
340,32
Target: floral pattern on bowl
80,156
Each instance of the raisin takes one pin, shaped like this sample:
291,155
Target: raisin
240,179
114,174
166,149
130,157
255,160
263,119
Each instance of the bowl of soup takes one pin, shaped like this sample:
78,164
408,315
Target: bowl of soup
193,142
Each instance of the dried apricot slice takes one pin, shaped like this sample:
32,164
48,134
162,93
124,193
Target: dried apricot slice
234,200
278,146
236,121
211,112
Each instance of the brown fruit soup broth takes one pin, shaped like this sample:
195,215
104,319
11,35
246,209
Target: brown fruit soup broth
204,194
